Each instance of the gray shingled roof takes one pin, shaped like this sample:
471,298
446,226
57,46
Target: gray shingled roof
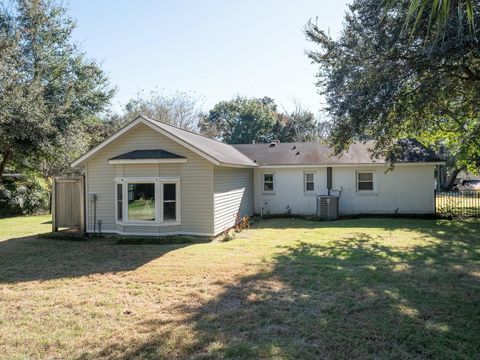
147,154
315,153
308,153
221,152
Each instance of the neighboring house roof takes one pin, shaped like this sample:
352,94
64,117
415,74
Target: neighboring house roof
315,153
147,154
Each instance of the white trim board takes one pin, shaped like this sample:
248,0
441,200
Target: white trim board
349,165
171,233
146,161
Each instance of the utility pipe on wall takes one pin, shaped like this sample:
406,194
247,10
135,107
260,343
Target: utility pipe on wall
329,179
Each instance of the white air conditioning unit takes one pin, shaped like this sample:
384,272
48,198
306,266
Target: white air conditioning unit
327,207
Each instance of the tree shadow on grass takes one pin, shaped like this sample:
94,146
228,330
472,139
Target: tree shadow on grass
354,298
30,258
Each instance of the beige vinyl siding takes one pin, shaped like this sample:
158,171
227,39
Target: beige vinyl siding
196,182
233,193
150,230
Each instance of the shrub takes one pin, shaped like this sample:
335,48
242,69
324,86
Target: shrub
25,196
228,235
241,223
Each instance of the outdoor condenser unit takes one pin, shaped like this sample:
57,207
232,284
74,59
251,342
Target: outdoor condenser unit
327,207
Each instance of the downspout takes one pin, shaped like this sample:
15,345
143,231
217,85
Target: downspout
329,179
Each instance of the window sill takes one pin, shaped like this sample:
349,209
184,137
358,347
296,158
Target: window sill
268,193
157,224
309,193
367,193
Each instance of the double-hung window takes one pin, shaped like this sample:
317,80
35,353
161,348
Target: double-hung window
119,201
309,184
365,181
268,183
169,202
145,201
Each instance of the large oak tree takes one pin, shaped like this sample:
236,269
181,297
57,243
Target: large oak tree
385,83
241,120
46,82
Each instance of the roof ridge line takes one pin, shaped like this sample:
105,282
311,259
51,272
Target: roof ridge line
180,128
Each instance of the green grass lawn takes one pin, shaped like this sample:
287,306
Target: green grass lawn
285,289
21,226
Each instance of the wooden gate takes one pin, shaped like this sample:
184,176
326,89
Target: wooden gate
68,204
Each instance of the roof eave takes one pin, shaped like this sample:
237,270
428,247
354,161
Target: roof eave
267,166
251,166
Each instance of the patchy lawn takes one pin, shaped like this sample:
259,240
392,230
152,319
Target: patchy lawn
287,289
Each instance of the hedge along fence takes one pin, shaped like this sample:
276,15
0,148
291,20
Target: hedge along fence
29,195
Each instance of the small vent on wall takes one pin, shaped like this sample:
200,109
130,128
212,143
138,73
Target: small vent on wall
327,207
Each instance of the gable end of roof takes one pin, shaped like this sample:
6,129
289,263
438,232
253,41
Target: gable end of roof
216,152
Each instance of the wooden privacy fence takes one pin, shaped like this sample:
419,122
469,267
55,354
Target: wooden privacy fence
68,204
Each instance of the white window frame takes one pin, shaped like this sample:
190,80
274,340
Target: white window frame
374,180
177,202
116,201
158,183
305,174
273,182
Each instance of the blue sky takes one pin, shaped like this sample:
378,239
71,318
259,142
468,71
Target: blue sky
214,49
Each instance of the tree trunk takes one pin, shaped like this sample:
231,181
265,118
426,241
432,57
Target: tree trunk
451,179
3,164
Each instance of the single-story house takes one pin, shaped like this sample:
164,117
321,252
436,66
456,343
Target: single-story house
151,178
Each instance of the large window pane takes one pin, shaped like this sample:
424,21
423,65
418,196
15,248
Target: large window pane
169,202
120,202
141,202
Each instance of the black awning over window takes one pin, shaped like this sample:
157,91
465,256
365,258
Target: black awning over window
147,154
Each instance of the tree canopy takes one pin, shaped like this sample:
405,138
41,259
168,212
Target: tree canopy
180,109
438,13
241,120
47,85
383,83
299,125
244,120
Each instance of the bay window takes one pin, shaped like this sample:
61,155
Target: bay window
147,201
